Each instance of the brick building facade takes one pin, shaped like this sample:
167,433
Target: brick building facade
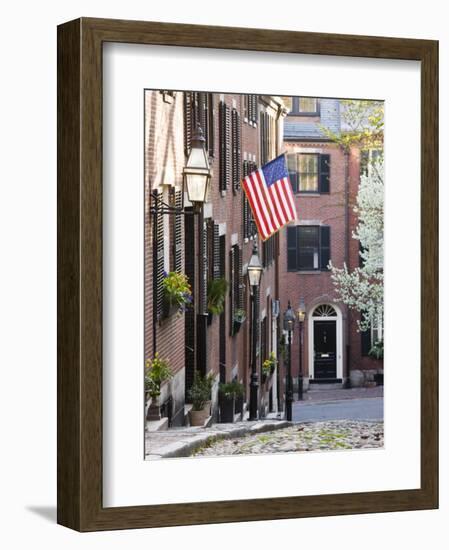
325,179
241,132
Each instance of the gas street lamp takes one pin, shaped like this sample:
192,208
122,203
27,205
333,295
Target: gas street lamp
255,269
301,314
289,323
197,172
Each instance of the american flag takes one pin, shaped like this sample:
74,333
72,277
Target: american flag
270,196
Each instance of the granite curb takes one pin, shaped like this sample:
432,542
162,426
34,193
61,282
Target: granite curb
180,449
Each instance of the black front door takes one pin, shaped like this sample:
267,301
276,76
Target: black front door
325,349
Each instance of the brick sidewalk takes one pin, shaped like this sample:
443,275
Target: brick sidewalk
339,394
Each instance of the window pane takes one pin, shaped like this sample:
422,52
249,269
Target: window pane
308,172
308,236
305,258
307,105
287,102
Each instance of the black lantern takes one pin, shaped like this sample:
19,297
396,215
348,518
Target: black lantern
301,311
289,318
255,268
197,172
301,314
289,323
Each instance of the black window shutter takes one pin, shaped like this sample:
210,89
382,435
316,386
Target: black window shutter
254,107
210,125
292,171
159,264
237,277
202,114
292,249
325,169
177,244
366,342
232,288
216,254
188,121
236,150
325,246
225,146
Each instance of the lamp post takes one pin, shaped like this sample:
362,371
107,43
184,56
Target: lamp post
289,323
301,314
254,276
196,175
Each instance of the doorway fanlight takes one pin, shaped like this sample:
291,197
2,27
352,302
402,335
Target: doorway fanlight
324,310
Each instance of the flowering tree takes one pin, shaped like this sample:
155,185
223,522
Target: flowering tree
362,288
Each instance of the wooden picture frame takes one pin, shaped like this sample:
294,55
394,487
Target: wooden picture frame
80,504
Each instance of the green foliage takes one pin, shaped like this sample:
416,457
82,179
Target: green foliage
157,371
239,316
231,389
216,293
269,364
282,347
200,392
377,351
363,124
177,290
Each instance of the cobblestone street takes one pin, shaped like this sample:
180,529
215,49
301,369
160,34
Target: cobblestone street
316,436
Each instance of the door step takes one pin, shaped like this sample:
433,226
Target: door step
325,384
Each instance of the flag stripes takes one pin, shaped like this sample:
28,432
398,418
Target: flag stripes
270,197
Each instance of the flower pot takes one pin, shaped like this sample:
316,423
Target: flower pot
154,410
238,405
198,418
169,308
226,409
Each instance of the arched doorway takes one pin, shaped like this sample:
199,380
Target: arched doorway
325,343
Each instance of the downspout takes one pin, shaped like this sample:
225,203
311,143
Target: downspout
346,379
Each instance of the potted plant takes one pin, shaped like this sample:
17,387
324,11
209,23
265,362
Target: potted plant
238,319
216,294
239,392
377,352
157,372
200,395
177,293
268,366
228,394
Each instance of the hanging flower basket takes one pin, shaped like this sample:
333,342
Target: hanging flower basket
238,319
177,293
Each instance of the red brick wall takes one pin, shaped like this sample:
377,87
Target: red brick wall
164,159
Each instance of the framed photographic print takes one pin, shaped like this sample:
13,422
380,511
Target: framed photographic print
247,274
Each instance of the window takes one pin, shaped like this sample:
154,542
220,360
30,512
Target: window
308,248
250,108
307,105
372,335
268,250
199,109
267,138
309,172
367,158
302,106
236,284
225,134
249,228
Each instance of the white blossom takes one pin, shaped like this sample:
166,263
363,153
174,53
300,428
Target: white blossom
362,289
